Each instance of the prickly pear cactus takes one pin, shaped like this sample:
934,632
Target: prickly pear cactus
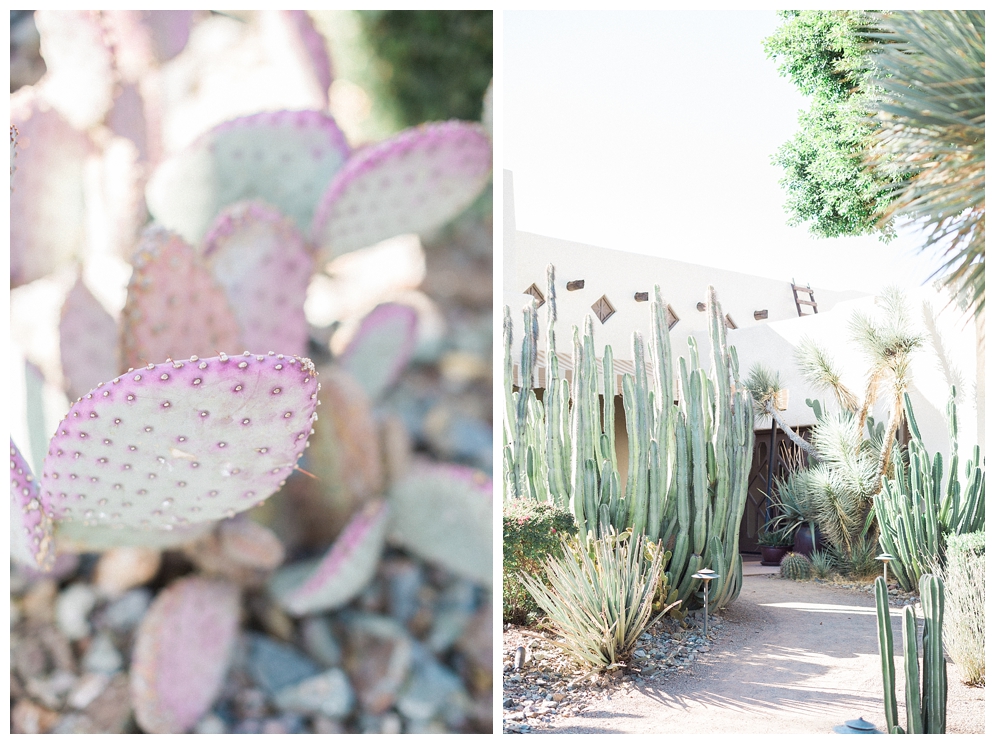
795,566
344,571
47,196
381,347
285,158
301,39
88,340
412,182
182,650
260,259
145,38
30,523
80,76
175,307
178,443
345,451
443,513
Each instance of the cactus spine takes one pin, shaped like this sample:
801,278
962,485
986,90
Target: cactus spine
688,464
916,511
926,713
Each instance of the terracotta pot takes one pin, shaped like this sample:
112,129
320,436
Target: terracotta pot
771,555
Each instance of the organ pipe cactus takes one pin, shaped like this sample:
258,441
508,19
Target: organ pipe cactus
926,713
688,462
916,510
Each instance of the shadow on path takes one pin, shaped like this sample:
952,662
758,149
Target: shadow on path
796,657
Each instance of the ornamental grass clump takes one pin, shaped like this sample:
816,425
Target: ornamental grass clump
600,597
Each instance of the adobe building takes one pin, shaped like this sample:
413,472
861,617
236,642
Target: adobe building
766,321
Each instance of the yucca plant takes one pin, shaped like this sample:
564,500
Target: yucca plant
600,596
930,123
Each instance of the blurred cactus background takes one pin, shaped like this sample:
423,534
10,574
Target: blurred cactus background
293,539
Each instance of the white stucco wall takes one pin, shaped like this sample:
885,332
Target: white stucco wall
950,355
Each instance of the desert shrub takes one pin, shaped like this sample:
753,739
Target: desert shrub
823,564
964,623
532,533
599,597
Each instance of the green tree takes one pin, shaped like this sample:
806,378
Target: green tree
826,56
435,64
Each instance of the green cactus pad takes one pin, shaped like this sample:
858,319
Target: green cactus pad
415,181
261,261
175,308
342,574
183,647
444,514
179,443
285,158
88,339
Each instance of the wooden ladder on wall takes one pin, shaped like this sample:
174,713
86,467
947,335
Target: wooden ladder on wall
809,302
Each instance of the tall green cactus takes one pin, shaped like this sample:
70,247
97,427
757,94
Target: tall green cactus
916,511
688,463
926,713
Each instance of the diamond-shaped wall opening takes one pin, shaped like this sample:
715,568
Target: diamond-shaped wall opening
603,308
672,318
537,293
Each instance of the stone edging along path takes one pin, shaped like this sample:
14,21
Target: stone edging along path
787,657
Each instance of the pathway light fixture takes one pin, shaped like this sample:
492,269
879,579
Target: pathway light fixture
706,575
884,558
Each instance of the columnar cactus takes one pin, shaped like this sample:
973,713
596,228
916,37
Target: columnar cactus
916,510
688,463
928,713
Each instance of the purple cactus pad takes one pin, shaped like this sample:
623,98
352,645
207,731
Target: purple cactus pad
46,204
344,571
381,347
31,540
175,307
88,339
415,181
264,266
173,444
183,647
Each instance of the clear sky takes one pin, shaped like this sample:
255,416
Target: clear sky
652,132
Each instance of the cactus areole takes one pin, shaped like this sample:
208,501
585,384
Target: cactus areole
181,442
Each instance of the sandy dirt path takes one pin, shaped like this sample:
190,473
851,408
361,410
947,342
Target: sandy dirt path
797,657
